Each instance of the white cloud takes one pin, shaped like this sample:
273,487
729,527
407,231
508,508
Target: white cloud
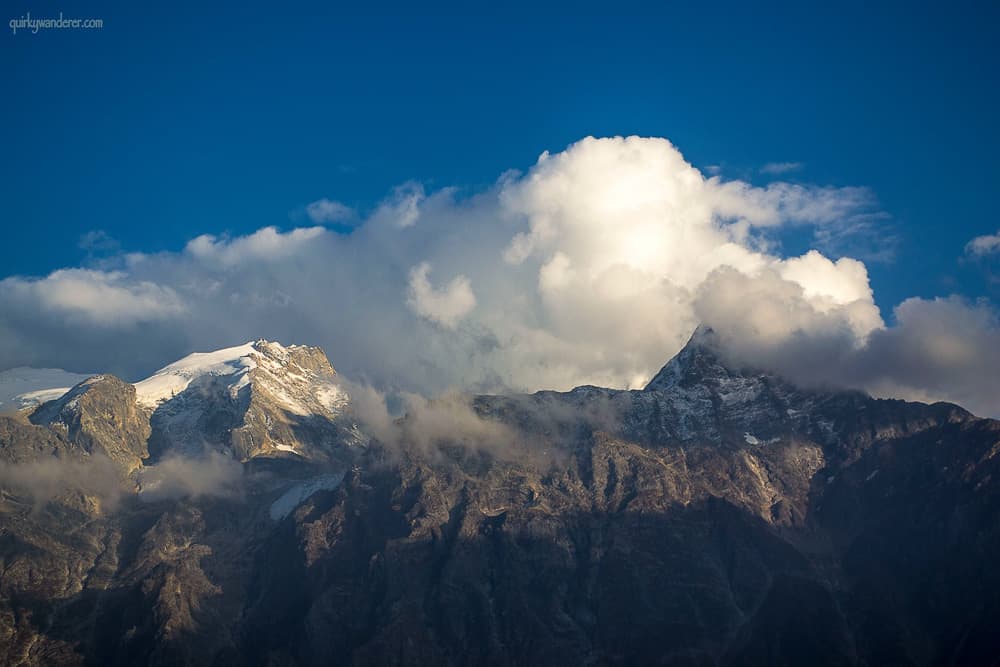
176,477
328,210
402,207
48,478
944,349
835,287
624,232
768,309
940,349
984,245
447,305
264,245
96,298
594,267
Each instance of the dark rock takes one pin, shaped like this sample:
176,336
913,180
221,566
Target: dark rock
720,516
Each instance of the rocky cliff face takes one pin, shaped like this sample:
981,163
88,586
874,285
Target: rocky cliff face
295,405
101,416
259,399
720,516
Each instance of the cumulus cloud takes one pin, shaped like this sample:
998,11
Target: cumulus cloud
770,307
267,244
446,305
945,349
402,207
593,267
92,298
940,349
984,245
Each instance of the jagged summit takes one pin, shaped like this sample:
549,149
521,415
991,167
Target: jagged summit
698,362
235,364
304,373
259,398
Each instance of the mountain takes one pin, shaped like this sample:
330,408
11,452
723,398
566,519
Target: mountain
721,515
257,399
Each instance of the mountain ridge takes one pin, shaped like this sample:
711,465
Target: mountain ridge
717,516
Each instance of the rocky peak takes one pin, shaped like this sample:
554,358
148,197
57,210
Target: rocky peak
256,399
256,363
699,362
100,414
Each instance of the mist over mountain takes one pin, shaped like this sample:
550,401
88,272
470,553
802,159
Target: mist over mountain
249,506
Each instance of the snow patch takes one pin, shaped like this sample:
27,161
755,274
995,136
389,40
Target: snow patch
300,492
175,378
26,387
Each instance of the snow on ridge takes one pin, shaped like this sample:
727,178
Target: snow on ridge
299,390
25,387
175,378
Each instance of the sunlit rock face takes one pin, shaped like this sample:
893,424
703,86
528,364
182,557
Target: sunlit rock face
721,515
101,415
258,399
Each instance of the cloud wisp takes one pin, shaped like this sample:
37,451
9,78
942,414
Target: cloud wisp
593,267
329,211
49,478
780,168
177,477
988,244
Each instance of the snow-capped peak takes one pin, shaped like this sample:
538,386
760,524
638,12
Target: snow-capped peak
283,372
175,378
266,391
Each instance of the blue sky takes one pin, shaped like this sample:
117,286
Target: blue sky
173,121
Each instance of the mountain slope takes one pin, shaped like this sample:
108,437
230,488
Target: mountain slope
719,516
257,399
101,416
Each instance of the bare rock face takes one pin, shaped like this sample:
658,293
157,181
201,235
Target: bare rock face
721,516
101,416
22,442
257,400
295,405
